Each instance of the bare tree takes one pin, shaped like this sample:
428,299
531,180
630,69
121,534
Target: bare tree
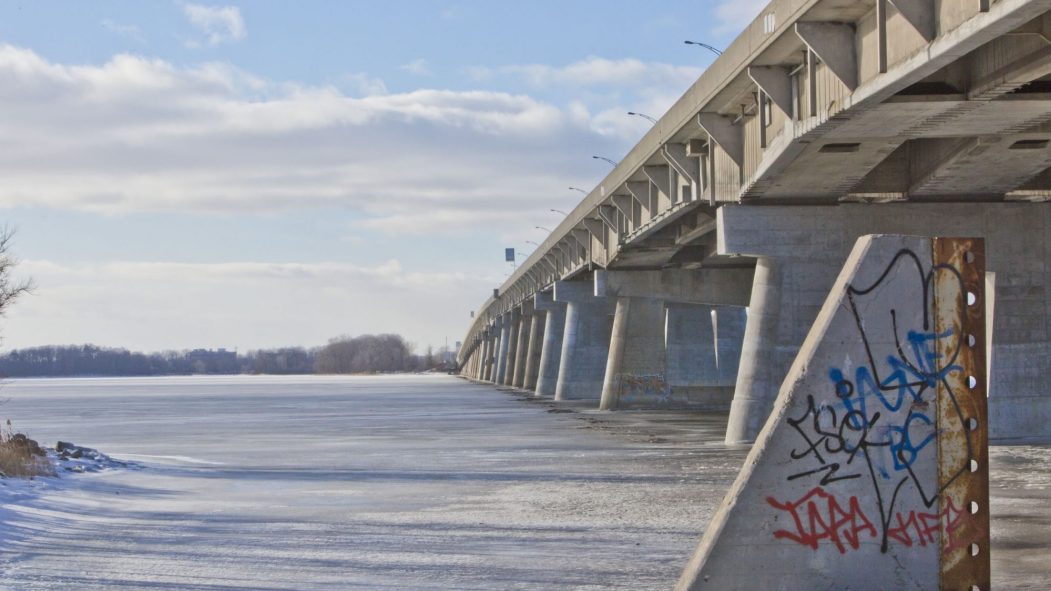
10,288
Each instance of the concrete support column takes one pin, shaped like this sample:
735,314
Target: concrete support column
503,342
513,319
761,369
636,352
551,348
483,361
585,342
522,344
534,348
494,346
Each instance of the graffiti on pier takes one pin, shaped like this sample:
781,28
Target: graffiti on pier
643,388
884,453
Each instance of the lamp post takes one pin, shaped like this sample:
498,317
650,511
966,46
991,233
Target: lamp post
558,211
704,45
643,115
533,243
548,230
613,162
580,190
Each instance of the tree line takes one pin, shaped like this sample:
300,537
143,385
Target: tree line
342,355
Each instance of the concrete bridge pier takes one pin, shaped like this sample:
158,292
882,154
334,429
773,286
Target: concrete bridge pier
666,351
513,318
502,344
764,358
636,353
703,351
551,345
585,342
485,372
522,344
533,348
494,348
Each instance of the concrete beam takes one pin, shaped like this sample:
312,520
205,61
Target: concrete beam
686,166
731,286
834,44
775,82
919,14
658,175
730,137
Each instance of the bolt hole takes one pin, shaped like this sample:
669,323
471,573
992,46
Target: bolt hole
972,424
972,382
968,256
974,507
974,465
970,341
974,549
972,298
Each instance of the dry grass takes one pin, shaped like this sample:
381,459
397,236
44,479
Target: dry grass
21,457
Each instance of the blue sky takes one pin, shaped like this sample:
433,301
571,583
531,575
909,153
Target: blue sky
270,173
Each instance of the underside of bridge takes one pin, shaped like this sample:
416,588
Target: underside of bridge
690,276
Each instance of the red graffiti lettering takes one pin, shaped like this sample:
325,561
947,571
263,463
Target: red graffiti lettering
923,525
818,516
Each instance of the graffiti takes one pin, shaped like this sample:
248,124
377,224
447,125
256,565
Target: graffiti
645,388
876,424
823,518
819,516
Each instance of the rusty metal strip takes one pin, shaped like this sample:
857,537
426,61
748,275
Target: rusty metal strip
962,419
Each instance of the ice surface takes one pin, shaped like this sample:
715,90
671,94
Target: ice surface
397,482
425,482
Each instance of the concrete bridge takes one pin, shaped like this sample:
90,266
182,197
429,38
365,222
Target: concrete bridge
689,277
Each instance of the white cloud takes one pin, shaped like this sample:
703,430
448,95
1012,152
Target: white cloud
137,134
130,31
160,305
417,67
219,24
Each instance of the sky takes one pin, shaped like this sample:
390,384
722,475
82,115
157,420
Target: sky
268,173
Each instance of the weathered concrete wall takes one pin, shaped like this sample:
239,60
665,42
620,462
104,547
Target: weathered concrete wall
636,352
585,342
801,247
703,350
870,473
551,349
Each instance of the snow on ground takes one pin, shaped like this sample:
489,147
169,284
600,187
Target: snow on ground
423,482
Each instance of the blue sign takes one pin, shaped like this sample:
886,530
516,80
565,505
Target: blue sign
509,255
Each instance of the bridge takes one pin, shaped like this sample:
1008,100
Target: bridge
689,277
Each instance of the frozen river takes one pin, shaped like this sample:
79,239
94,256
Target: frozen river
400,482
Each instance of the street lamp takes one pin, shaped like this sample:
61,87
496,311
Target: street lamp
644,116
613,162
543,228
533,243
576,189
559,211
706,46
